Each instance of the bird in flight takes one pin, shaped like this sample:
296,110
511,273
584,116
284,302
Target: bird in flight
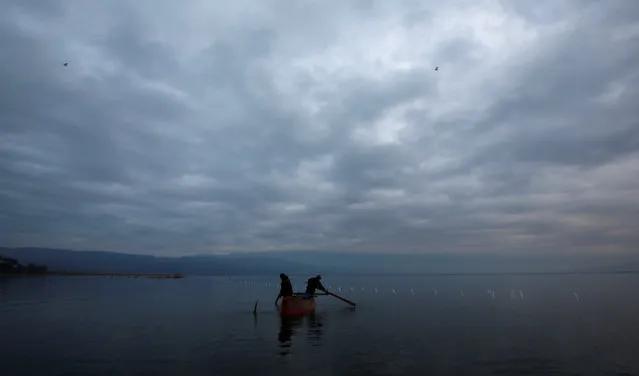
436,68
66,64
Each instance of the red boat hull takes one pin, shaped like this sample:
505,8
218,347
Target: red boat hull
297,306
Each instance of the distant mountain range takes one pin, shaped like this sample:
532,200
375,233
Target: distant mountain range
64,260
311,263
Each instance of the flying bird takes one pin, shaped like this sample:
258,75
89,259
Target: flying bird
66,64
436,68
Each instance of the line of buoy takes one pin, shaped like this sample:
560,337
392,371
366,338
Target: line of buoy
514,293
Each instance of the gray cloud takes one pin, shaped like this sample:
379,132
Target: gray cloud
202,128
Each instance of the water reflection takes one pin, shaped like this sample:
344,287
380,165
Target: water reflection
289,326
315,330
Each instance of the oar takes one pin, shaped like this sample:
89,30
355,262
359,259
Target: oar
340,298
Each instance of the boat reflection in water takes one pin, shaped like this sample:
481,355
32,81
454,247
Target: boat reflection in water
289,326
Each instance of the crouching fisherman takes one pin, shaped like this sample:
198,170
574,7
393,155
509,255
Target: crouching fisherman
314,283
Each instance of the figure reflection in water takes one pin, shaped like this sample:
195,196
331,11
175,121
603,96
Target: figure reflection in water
314,335
290,325
287,326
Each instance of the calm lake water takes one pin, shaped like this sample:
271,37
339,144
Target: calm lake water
533,325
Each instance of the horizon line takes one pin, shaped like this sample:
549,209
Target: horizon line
223,253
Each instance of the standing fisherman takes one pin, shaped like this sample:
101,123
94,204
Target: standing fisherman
286,289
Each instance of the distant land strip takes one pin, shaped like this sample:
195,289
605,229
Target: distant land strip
81,274
130,275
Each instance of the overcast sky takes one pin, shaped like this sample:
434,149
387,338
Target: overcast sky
194,127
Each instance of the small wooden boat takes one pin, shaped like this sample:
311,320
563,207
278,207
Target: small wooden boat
297,305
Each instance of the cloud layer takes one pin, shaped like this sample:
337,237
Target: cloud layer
195,128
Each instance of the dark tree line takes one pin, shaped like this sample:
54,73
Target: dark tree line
12,266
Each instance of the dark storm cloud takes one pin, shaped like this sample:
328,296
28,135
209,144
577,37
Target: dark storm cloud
201,128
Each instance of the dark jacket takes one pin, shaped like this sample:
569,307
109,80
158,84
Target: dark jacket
286,289
314,284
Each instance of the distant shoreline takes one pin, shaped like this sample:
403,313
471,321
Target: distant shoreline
83,274
352,275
